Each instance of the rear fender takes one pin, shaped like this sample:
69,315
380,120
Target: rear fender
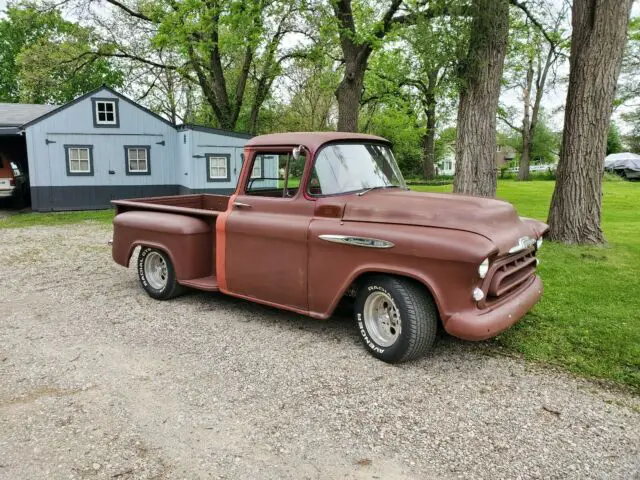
188,241
125,259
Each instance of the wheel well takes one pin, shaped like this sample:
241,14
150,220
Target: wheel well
360,279
141,244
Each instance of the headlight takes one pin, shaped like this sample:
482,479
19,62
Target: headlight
539,243
483,268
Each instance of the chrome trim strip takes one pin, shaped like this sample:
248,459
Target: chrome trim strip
358,241
523,244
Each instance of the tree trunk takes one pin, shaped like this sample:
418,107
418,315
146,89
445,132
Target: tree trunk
481,73
348,95
525,159
523,170
597,44
429,143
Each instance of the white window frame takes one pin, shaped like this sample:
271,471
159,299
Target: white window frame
257,167
77,148
213,161
114,113
138,148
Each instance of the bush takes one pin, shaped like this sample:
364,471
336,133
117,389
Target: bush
548,175
612,177
435,182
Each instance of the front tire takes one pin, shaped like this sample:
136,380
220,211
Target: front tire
397,318
157,275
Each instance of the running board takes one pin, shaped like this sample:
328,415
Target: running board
209,283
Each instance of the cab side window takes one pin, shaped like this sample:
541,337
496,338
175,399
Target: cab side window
275,174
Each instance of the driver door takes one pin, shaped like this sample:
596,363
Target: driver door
266,232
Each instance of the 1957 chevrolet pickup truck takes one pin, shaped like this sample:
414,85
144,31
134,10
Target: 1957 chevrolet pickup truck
320,216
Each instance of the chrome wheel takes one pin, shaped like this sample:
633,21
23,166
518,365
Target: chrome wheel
155,270
382,319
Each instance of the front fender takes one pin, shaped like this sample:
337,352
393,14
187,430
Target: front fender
445,261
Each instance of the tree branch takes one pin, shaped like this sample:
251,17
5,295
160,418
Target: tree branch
511,125
131,12
387,20
522,6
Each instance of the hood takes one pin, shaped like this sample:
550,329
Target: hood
493,219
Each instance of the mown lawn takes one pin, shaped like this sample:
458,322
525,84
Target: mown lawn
18,220
589,317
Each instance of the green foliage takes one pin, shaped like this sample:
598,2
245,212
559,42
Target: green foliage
311,102
400,126
43,57
632,141
546,143
445,143
587,319
614,141
629,80
612,177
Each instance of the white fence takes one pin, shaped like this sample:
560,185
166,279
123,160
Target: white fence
549,167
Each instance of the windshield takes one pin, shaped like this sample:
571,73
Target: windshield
352,167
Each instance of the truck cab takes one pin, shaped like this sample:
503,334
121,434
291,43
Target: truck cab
317,216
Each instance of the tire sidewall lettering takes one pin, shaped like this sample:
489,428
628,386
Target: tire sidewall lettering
365,336
141,274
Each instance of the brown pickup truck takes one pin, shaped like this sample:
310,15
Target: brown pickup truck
327,216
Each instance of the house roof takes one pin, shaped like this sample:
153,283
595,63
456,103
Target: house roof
219,131
90,94
17,114
49,110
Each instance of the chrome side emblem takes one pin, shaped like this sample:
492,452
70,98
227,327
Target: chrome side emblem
523,244
358,241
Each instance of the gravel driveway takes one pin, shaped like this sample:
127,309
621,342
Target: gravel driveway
97,380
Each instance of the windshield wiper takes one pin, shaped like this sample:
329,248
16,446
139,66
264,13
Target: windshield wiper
376,188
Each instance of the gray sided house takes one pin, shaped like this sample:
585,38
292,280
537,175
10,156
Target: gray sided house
103,146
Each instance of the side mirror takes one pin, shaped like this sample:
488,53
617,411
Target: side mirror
297,151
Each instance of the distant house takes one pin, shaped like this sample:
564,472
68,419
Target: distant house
447,165
104,146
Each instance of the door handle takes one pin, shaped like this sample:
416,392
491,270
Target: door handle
241,205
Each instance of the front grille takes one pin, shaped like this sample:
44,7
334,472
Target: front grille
509,273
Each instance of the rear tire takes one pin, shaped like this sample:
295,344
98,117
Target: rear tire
397,318
157,275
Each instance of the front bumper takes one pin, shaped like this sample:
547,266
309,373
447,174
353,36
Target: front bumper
482,324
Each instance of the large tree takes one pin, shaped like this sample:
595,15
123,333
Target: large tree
530,69
362,28
357,43
40,57
480,75
220,45
597,43
434,47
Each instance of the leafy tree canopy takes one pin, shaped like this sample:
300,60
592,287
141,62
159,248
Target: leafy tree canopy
41,57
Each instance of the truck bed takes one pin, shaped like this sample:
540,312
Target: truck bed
202,205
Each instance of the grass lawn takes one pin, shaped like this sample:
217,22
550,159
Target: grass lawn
589,317
18,220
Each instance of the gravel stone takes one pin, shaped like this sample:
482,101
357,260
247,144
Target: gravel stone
97,380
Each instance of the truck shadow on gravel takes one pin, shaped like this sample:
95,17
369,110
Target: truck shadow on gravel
341,327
